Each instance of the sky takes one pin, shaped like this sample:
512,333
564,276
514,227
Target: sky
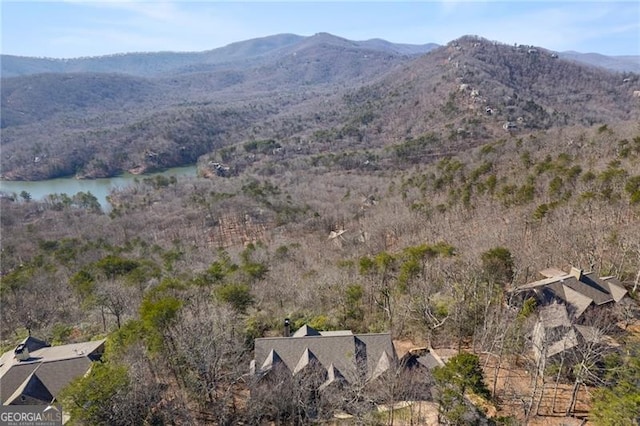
76,28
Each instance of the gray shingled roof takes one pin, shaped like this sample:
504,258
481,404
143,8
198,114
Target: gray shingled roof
429,361
306,330
13,378
590,287
32,391
577,289
334,376
555,331
307,359
579,301
58,374
271,361
613,286
337,333
345,352
383,364
422,360
53,366
590,334
34,344
566,342
554,316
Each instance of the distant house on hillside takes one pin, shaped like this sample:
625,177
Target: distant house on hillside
568,304
35,372
577,290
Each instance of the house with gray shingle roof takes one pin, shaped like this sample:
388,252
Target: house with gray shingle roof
35,372
566,302
341,355
318,374
579,291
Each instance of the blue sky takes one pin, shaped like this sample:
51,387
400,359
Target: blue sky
73,28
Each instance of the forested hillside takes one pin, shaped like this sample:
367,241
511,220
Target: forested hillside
320,88
398,203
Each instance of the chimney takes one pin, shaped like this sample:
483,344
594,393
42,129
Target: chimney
287,327
21,352
577,273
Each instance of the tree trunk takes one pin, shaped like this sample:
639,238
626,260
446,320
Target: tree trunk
539,401
574,395
529,406
532,400
496,372
555,388
104,319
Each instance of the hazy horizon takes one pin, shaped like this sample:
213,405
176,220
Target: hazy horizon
72,29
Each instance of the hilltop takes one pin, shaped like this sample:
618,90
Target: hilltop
472,84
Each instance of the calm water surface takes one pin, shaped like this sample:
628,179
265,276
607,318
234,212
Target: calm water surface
100,188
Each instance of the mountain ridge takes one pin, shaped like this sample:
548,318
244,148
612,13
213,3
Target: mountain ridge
162,63
623,63
329,92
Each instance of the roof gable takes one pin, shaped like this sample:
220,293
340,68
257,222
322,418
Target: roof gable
555,333
334,374
334,377
553,291
383,365
337,350
308,359
272,360
615,288
32,391
579,301
306,331
13,378
590,334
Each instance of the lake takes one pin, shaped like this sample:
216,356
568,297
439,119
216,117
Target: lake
100,188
